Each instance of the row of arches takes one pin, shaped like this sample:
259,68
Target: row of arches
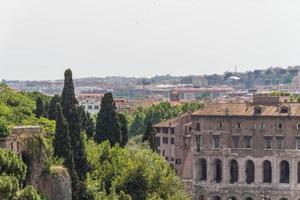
249,171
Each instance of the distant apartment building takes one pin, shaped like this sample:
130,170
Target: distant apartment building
237,151
91,102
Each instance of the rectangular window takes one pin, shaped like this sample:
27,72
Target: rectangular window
178,161
167,158
268,143
216,141
157,130
163,153
248,142
280,126
165,140
90,107
220,125
263,126
172,140
198,127
198,142
165,130
96,107
157,141
172,130
235,141
172,159
279,143
298,126
298,143
238,125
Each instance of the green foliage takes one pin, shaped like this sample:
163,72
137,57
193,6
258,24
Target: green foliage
159,112
133,172
52,107
16,108
12,174
72,114
149,136
62,141
107,125
124,128
9,185
28,193
87,122
11,165
40,109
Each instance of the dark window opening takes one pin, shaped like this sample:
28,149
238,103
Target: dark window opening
203,170
217,171
284,172
234,171
267,172
172,140
250,172
198,127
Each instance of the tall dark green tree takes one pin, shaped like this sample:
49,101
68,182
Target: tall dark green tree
107,125
40,108
89,126
149,135
71,111
52,107
124,129
62,141
87,122
63,149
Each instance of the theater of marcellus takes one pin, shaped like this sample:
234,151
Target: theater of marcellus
236,151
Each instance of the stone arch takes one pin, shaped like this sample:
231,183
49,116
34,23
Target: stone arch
250,171
267,172
234,171
284,172
217,167
202,170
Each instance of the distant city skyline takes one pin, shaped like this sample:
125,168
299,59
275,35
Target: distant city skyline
144,38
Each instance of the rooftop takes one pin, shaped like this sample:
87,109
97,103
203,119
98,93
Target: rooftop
249,109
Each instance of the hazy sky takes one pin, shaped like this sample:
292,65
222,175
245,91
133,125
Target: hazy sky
39,39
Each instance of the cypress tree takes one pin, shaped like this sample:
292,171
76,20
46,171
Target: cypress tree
90,126
71,111
40,109
62,141
107,126
52,107
63,149
124,129
149,135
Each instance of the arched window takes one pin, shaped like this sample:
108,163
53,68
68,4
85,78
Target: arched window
216,198
284,172
250,172
298,172
217,171
203,170
267,172
234,171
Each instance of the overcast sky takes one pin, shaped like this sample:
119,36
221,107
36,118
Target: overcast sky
39,39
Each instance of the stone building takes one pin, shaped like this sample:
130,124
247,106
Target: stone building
241,151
